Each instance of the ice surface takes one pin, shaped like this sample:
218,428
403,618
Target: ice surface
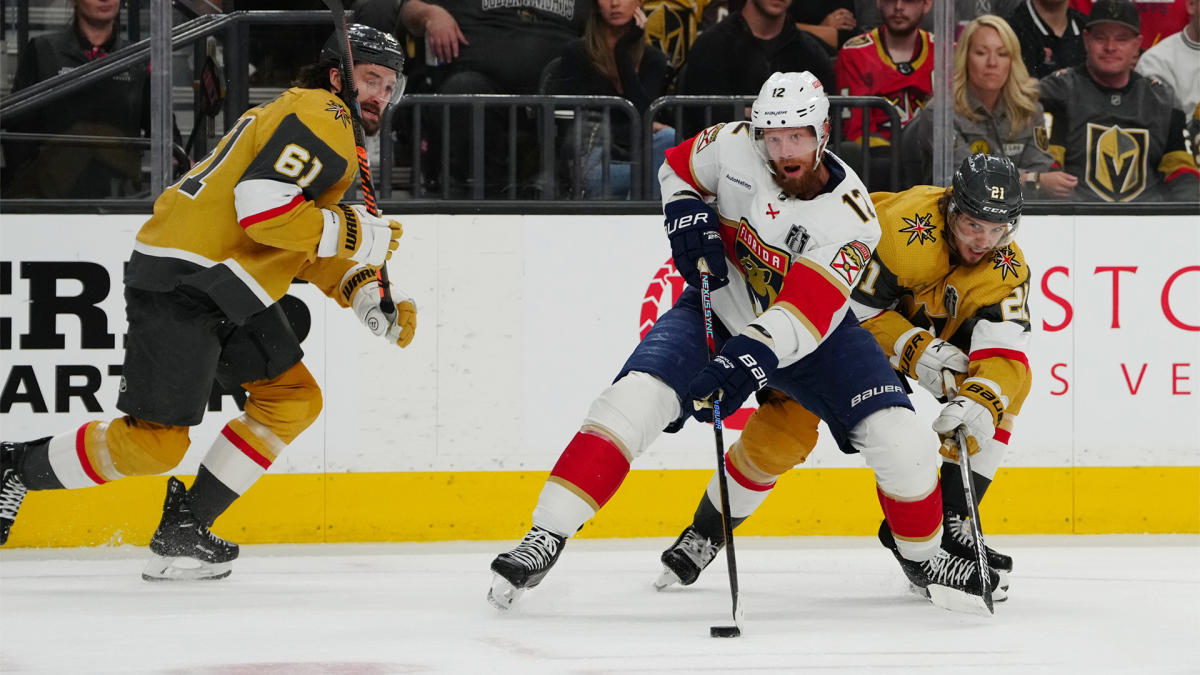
1106,604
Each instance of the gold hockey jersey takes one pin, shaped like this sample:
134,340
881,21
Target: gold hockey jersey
247,218
982,309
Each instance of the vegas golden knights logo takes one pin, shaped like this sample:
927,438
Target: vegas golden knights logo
1116,161
672,26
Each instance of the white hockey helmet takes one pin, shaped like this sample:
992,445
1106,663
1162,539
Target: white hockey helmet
791,100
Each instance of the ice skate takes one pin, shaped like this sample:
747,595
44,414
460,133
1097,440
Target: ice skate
953,583
959,539
524,567
184,549
922,576
12,490
686,558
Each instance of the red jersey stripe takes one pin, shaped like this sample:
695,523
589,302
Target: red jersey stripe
812,295
271,213
680,159
998,353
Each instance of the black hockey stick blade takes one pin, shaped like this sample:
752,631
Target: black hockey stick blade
964,463
725,632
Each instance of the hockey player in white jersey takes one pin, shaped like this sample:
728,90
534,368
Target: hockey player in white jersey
785,228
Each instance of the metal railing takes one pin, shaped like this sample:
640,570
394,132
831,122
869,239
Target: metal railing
511,118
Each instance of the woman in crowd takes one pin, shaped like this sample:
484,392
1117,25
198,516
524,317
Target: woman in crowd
996,111
612,59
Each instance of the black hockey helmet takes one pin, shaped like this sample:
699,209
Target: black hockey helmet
988,188
367,45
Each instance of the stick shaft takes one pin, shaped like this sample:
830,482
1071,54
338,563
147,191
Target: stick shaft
349,96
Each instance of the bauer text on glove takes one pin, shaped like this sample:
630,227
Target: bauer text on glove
923,357
742,368
350,231
694,231
978,408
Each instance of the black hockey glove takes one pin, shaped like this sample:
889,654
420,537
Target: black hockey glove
742,367
694,232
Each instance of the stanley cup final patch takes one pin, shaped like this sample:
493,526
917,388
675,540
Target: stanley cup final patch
849,260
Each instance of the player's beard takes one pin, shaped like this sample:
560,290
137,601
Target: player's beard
370,125
805,185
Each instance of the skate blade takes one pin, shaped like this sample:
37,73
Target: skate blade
503,594
666,578
161,568
957,601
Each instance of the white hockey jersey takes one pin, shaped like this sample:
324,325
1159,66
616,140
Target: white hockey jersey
792,262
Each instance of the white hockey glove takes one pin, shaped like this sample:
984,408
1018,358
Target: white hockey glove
923,357
362,286
350,231
978,409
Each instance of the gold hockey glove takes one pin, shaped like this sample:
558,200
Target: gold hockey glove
923,357
361,286
350,231
978,408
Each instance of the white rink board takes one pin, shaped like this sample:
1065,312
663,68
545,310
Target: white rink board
524,319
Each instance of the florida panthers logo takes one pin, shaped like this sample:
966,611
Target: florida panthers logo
1116,161
763,266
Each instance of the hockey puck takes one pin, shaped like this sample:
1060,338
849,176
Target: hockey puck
724,631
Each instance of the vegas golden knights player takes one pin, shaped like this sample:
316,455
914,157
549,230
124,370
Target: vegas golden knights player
202,291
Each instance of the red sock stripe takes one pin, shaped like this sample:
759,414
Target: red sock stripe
247,449
593,464
740,478
81,451
1002,435
917,520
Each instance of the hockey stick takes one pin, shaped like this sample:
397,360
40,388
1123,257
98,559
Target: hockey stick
964,463
726,520
349,96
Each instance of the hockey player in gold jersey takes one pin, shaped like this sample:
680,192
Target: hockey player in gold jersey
945,295
202,291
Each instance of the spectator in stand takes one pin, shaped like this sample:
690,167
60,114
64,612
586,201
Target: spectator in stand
869,15
487,47
612,59
738,54
996,111
1176,61
832,21
1119,133
1051,35
118,106
1159,18
894,61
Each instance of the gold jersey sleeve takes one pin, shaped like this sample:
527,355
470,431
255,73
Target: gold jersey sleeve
247,218
982,309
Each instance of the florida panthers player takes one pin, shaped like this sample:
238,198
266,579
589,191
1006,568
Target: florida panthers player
946,292
785,228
